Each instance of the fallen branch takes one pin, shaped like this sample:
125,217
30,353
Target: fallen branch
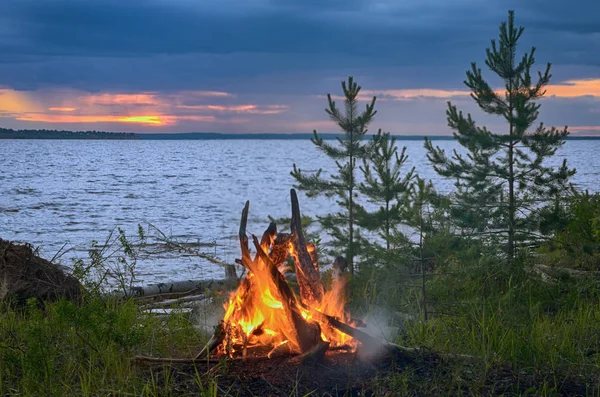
177,287
173,360
370,342
172,302
170,242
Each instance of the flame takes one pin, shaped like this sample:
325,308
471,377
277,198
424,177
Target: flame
256,315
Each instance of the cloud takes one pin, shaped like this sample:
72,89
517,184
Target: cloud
582,129
190,65
252,109
68,107
575,88
99,45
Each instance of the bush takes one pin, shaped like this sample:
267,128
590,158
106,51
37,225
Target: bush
575,231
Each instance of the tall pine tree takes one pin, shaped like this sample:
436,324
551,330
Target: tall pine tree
504,178
343,185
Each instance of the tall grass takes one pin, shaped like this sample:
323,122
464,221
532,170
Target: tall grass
63,350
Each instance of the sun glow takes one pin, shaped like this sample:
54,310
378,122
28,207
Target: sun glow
156,120
62,109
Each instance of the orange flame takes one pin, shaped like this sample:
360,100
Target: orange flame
256,315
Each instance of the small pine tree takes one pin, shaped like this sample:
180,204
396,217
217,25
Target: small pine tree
421,214
504,179
385,186
343,185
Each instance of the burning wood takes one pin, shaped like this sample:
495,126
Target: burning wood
307,273
265,314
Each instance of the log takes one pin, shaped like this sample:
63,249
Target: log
176,287
370,343
316,354
268,237
171,302
215,340
314,255
309,280
246,258
169,360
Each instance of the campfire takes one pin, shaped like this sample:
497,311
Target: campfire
271,325
265,314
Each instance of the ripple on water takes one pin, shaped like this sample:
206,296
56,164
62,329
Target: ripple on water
193,189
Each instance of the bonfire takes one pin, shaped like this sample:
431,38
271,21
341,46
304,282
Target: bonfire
265,315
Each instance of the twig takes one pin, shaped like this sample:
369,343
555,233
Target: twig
164,238
173,360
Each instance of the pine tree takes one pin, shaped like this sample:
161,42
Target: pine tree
343,185
504,179
385,186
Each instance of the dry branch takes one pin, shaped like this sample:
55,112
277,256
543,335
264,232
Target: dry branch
309,280
229,268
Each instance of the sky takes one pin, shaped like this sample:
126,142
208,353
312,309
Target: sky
266,66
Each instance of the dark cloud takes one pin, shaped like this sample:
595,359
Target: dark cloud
296,47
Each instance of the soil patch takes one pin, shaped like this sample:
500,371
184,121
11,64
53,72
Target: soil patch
24,275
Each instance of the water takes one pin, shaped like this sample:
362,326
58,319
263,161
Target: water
55,192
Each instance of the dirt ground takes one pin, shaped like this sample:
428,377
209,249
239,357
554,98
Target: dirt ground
24,275
341,374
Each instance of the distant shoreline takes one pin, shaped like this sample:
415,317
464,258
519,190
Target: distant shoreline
100,135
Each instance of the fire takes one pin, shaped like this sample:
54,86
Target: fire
265,312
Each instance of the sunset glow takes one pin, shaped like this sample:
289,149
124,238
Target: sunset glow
155,120
61,109
575,88
197,108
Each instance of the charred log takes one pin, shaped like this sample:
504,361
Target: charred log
280,249
309,280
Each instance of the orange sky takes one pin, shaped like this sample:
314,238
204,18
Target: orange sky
154,111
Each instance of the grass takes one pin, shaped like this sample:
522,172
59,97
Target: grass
496,331
548,335
64,350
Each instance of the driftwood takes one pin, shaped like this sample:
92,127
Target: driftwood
176,301
309,280
177,287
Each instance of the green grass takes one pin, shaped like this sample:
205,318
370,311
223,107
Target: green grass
64,350
516,336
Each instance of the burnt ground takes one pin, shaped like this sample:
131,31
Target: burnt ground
341,374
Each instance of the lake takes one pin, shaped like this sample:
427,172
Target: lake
57,192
